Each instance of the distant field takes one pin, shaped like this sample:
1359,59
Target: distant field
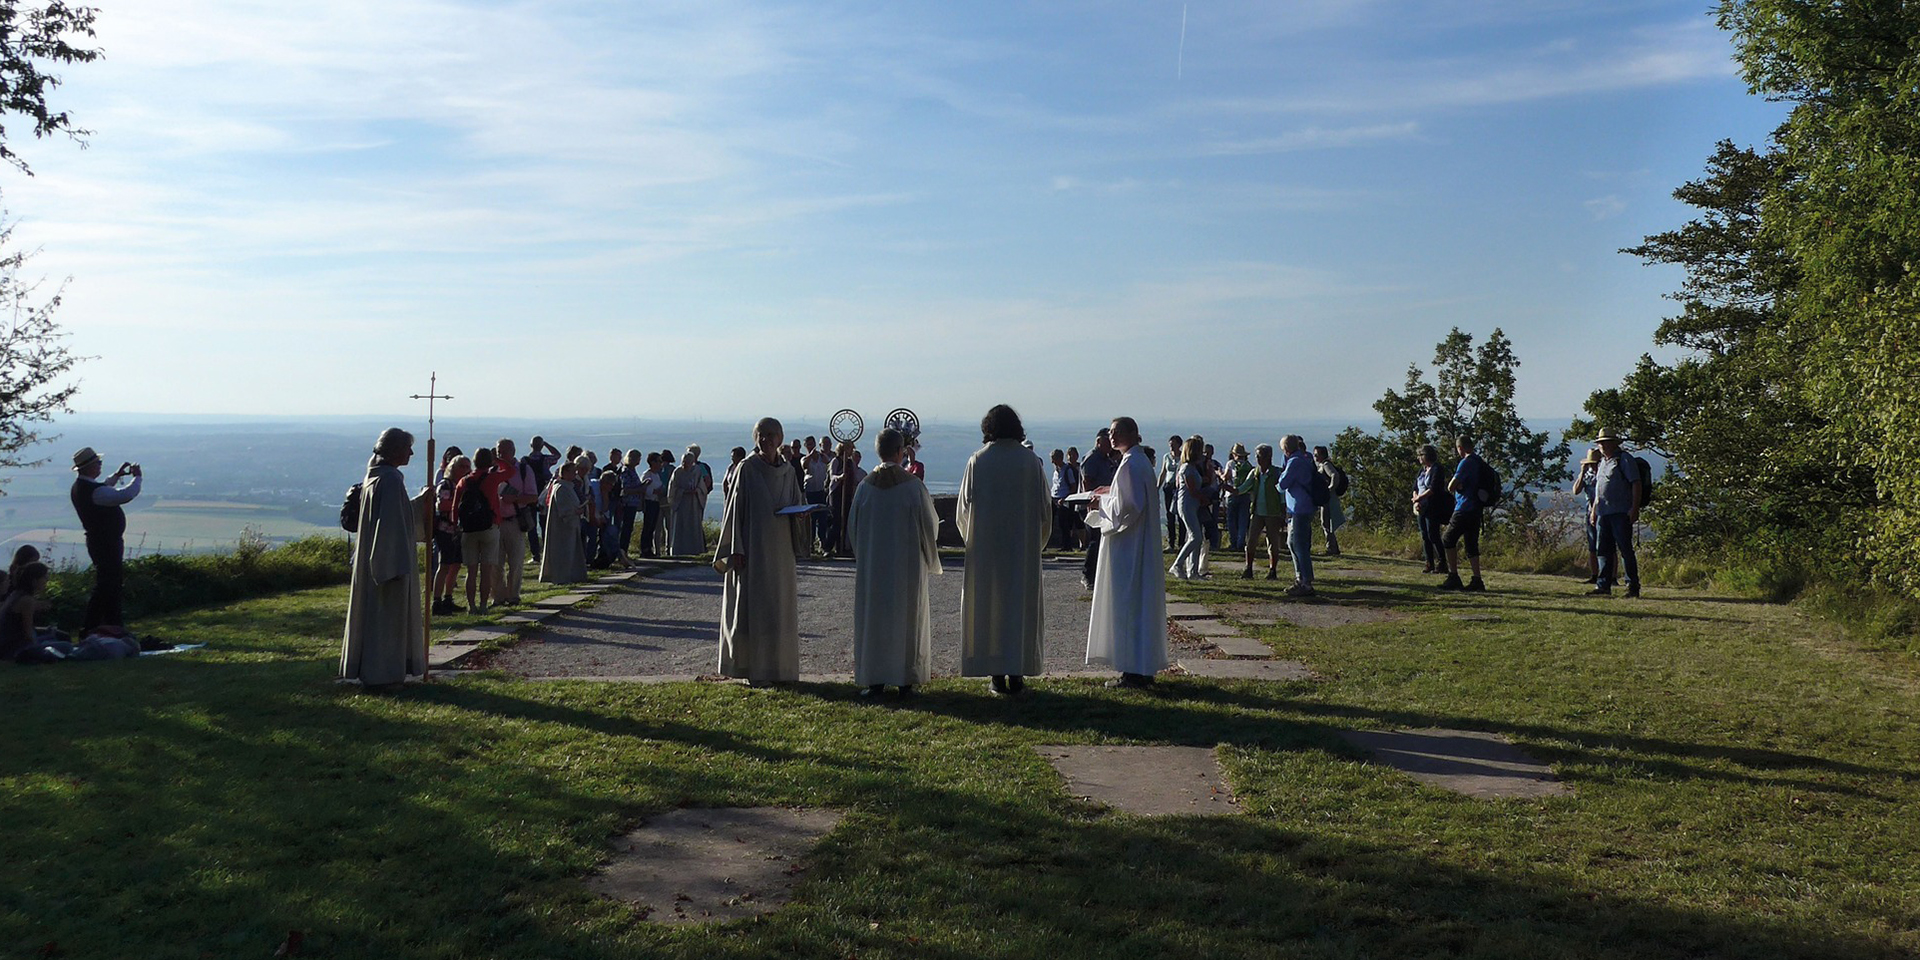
164,526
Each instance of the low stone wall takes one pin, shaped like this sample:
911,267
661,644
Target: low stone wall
944,505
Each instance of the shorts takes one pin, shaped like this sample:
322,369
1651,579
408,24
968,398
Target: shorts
482,547
1275,529
1465,525
446,546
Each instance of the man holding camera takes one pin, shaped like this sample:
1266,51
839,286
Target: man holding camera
98,503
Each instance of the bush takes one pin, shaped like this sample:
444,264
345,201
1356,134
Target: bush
160,584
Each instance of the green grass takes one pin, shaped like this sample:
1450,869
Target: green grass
1743,785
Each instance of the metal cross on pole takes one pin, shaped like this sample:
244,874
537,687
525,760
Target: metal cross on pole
426,608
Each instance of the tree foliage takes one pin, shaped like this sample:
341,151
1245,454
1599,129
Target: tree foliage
1470,391
34,359
1791,415
32,38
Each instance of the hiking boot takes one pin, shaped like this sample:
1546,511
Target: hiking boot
1599,592
1273,574
1452,582
1633,590
1300,590
1477,585
1246,574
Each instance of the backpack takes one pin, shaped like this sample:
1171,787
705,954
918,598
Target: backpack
1486,490
1319,489
1339,483
473,510
1646,480
350,510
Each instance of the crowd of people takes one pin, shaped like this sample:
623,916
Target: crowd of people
493,509
785,501
1250,499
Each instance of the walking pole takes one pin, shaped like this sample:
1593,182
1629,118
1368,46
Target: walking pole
433,467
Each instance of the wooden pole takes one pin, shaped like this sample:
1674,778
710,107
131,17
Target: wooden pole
433,474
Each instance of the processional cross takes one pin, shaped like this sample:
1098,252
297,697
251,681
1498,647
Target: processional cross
426,607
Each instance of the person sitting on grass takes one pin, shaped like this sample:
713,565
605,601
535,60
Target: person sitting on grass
28,553
26,582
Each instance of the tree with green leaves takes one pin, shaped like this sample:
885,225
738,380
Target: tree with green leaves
34,360
1470,392
1849,220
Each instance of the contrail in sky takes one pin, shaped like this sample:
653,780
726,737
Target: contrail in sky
1180,60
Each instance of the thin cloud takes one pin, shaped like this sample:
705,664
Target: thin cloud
1315,138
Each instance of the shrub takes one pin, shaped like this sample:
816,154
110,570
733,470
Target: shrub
159,584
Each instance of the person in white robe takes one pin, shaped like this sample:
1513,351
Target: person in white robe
689,487
759,599
1128,629
896,545
564,559
1005,514
385,641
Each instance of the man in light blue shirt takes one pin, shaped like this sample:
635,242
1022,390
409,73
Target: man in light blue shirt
1618,488
1296,481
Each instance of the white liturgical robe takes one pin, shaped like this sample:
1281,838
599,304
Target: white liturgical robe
1004,513
385,641
759,605
1128,630
896,538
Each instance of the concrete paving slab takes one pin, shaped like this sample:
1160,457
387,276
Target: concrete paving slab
1181,610
1148,781
713,865
1276,670
1242,647
534,615
562,600
618,577
1477,617
1209,628
1485,766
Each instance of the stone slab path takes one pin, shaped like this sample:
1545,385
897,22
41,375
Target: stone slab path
1276,670
713,865
1484,766
669,625
1149,781
1241,647
1321,614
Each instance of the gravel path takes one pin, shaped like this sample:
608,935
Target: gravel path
669,624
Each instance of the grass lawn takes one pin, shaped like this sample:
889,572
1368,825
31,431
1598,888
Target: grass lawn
1744,786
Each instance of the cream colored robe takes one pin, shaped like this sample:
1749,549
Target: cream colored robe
384,642
896,538
760,605
561,559
688,538
1005,514
1128,626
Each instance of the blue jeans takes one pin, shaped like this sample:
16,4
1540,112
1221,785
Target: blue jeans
1300,544
1616,532
1237,524
1191,561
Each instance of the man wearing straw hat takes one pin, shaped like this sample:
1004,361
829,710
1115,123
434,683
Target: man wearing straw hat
98,503
1617,490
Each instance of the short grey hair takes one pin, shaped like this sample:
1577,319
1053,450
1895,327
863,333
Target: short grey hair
891,442
391,441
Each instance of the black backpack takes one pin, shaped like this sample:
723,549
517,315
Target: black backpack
1339,482
1646,479
474,510
1487,490
1319,489
350,510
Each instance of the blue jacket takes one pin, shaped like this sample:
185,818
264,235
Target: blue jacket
1296,481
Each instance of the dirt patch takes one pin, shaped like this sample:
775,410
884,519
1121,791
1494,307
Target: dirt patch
1323,614
712,865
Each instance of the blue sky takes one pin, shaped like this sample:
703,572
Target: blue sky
731,208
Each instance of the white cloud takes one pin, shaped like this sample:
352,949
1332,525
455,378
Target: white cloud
1605,208
1315,138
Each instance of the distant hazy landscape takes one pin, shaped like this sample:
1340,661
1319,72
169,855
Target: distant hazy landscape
208,479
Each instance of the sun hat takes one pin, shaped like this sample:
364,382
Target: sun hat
1606,435
84,456
1593,457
